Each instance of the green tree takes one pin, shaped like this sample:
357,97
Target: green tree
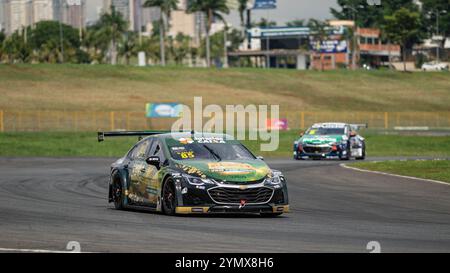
403,27
112,27
296,23
16,49
320,34
180,48
45,39
128,46
436,12
242,8
2,38
266,23
166,7
367,15
95,43
212,9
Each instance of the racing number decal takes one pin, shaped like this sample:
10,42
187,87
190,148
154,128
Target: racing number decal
187,155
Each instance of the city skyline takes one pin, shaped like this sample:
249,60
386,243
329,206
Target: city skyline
287,10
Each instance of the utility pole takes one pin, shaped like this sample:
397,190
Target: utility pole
61,39
225,46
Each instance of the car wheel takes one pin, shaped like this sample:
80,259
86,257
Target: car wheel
169,198
363,154
270,215
118,194
347,157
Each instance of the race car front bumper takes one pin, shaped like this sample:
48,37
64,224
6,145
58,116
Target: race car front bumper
256,198
320,151
268,208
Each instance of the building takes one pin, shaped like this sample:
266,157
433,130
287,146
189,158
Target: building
122,6
372,51
45,10
142,18
17,14
73,12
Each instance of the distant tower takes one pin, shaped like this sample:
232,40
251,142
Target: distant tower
74,13
17,14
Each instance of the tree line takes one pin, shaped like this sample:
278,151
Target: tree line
109,40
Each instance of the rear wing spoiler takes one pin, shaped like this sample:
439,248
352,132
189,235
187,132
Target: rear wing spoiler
101,135
356,127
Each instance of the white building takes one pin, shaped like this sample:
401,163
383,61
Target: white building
74,13
17,14
44,10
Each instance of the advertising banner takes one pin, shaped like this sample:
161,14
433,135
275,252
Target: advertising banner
265,4
330,46
277,124
163,110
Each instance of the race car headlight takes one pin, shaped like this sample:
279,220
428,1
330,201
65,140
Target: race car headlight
276,179
197,181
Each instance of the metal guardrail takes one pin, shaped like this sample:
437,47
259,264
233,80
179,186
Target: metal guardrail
34,121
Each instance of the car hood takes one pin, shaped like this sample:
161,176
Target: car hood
236,170
322,140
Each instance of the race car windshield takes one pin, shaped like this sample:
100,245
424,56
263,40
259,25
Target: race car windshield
218,151
325,131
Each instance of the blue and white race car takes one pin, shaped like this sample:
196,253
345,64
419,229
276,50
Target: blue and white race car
331,140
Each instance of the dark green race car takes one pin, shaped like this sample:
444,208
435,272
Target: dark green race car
184,173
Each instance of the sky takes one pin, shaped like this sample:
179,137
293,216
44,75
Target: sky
287,10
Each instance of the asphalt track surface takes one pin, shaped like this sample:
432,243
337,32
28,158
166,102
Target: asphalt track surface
45,203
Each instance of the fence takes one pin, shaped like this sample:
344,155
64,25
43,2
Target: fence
20,121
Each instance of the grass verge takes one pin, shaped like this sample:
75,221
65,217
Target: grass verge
428,169
126,88
53,144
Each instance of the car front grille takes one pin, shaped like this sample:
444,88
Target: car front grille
222,195
316,150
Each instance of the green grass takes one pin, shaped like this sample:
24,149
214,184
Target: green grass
85,144
431,169
126,88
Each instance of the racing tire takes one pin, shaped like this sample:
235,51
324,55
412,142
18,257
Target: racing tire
363,154
118,194
347,157
169,198
270,215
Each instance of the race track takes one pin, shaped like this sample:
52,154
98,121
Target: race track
45,203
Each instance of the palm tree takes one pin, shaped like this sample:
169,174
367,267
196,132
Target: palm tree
128,46
242,7
212,9
166,7
319,32
112,27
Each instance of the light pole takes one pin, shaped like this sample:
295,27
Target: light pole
437,13
61,33
225,46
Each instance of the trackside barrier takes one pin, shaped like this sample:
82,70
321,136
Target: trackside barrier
85,121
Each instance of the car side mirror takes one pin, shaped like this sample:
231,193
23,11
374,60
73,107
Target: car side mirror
260,158
154,161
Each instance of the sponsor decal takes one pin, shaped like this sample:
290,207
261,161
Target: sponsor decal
231,168
186,141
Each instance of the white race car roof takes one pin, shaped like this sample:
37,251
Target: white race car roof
329,125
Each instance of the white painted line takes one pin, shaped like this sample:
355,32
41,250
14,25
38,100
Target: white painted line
395,175
34,250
